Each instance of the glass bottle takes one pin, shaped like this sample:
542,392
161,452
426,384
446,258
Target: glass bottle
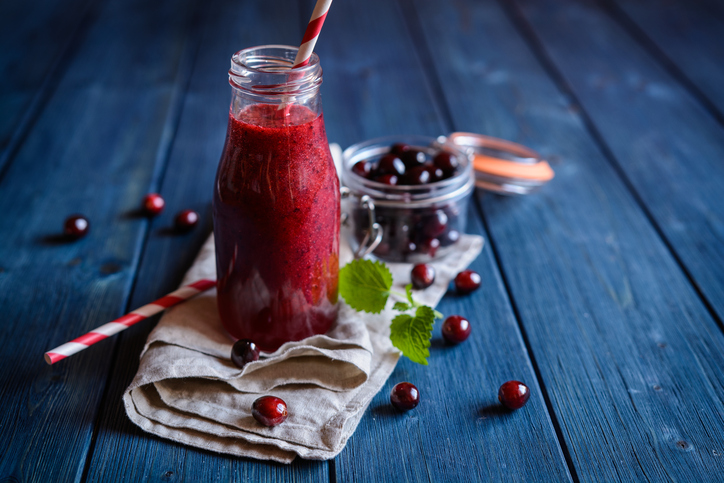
276,203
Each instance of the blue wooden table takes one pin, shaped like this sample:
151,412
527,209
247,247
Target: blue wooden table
604,291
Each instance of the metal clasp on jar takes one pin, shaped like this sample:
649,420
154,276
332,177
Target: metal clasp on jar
373,234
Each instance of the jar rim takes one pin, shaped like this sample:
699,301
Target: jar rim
407,195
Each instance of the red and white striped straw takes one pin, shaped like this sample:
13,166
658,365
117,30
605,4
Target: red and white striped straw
312,33
122,323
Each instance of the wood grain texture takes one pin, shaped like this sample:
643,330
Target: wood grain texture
227,26
36,38
78,159
630,357
458,433
690,34
669,148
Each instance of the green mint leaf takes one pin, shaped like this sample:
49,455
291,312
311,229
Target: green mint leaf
411,335
401,306
365,285
408,291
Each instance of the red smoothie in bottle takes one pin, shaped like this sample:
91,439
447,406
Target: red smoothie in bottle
276,225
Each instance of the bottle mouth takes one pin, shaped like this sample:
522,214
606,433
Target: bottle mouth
267,70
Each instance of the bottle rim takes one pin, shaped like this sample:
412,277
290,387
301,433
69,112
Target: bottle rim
266,70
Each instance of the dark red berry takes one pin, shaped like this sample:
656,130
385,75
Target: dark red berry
399,148
450,237
446,161
243,352
186,220
389,179
436,174
362,168
513,394
269,410
76,226
430,246
422,276
434,225
410,247
153,204
413,158
391,164
405,396
467,281
418,175
455,329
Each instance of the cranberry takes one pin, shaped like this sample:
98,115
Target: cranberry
362,168
410,247
413,158
269,410
418,175
76,226
391,164
430,246
467,281
399,148
449,238
436,174
422,276
405,396
389,179
455,329
243,352
153,204
434,225
446,162
513,394
186,220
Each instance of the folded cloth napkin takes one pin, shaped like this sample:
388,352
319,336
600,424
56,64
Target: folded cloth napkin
188,390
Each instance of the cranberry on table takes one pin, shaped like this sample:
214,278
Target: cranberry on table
446,162
417,175
362,168
389,179
456,329
243,352
153,204
391,164
186,220
422,276
269,410
76,226
513,394
467,281
405,396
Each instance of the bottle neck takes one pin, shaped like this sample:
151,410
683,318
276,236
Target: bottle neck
263,75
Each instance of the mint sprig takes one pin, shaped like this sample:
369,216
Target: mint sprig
365,286
412,334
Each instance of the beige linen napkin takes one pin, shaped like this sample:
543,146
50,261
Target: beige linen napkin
188,390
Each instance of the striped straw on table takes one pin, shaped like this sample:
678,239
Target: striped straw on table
122,323
312,33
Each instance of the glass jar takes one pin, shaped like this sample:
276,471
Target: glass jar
276,203
417,223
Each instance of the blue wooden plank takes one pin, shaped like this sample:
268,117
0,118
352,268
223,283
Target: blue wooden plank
187,183
688,36
667,146
374,86
94,151
630,357
36,38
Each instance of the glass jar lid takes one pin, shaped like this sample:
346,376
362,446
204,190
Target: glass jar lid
502,166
